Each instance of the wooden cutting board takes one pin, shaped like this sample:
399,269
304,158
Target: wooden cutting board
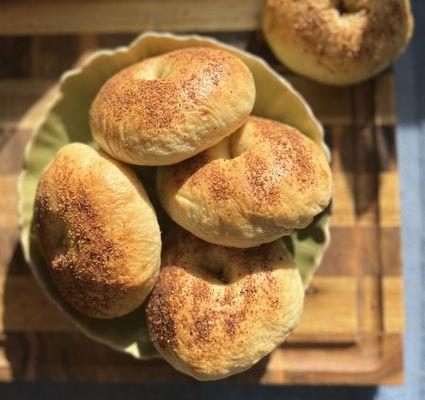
351,329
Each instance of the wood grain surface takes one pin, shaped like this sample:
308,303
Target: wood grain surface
81,16
351,329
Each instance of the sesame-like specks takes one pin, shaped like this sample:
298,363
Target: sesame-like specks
228,296
219,187
244,300
183,287
42,207
161,309
185,172
260,179
81,257
155,104
149,104
292,157
230,325
215,64
190,170
203,326
292,162
200,292
271,285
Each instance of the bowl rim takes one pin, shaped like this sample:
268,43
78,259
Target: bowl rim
58,96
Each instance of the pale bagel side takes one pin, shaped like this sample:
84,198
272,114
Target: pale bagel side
216,311
258,185
97,231
338,42
165,109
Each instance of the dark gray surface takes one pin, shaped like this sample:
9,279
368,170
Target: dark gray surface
46,391
410,71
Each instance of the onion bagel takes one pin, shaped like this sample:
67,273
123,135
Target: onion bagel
168,108
97,231
260,184
338,42
216,311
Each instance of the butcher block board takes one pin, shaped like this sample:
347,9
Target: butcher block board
352,325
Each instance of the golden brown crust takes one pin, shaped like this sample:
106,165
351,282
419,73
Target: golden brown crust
97,231
168,108
216,311
338,41
263,182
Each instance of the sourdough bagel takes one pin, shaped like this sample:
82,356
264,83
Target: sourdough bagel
260,184
168,108
97,232
216,311
338,42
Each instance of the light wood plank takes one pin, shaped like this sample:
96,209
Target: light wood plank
370,307
331,104
329,310
330,307
393,304
389,199
343,206
361,364
31,17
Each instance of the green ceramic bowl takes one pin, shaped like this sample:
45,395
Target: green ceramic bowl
67,121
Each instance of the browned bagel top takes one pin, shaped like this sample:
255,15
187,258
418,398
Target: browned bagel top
338,41
261,183
98,232
216,310
167,108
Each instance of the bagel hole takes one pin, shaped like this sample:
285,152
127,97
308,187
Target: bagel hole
351,6
216,268
219,276
342,8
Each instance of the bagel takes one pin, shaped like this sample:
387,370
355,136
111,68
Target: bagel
97,231
216,311
263,182
338,42
168,108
